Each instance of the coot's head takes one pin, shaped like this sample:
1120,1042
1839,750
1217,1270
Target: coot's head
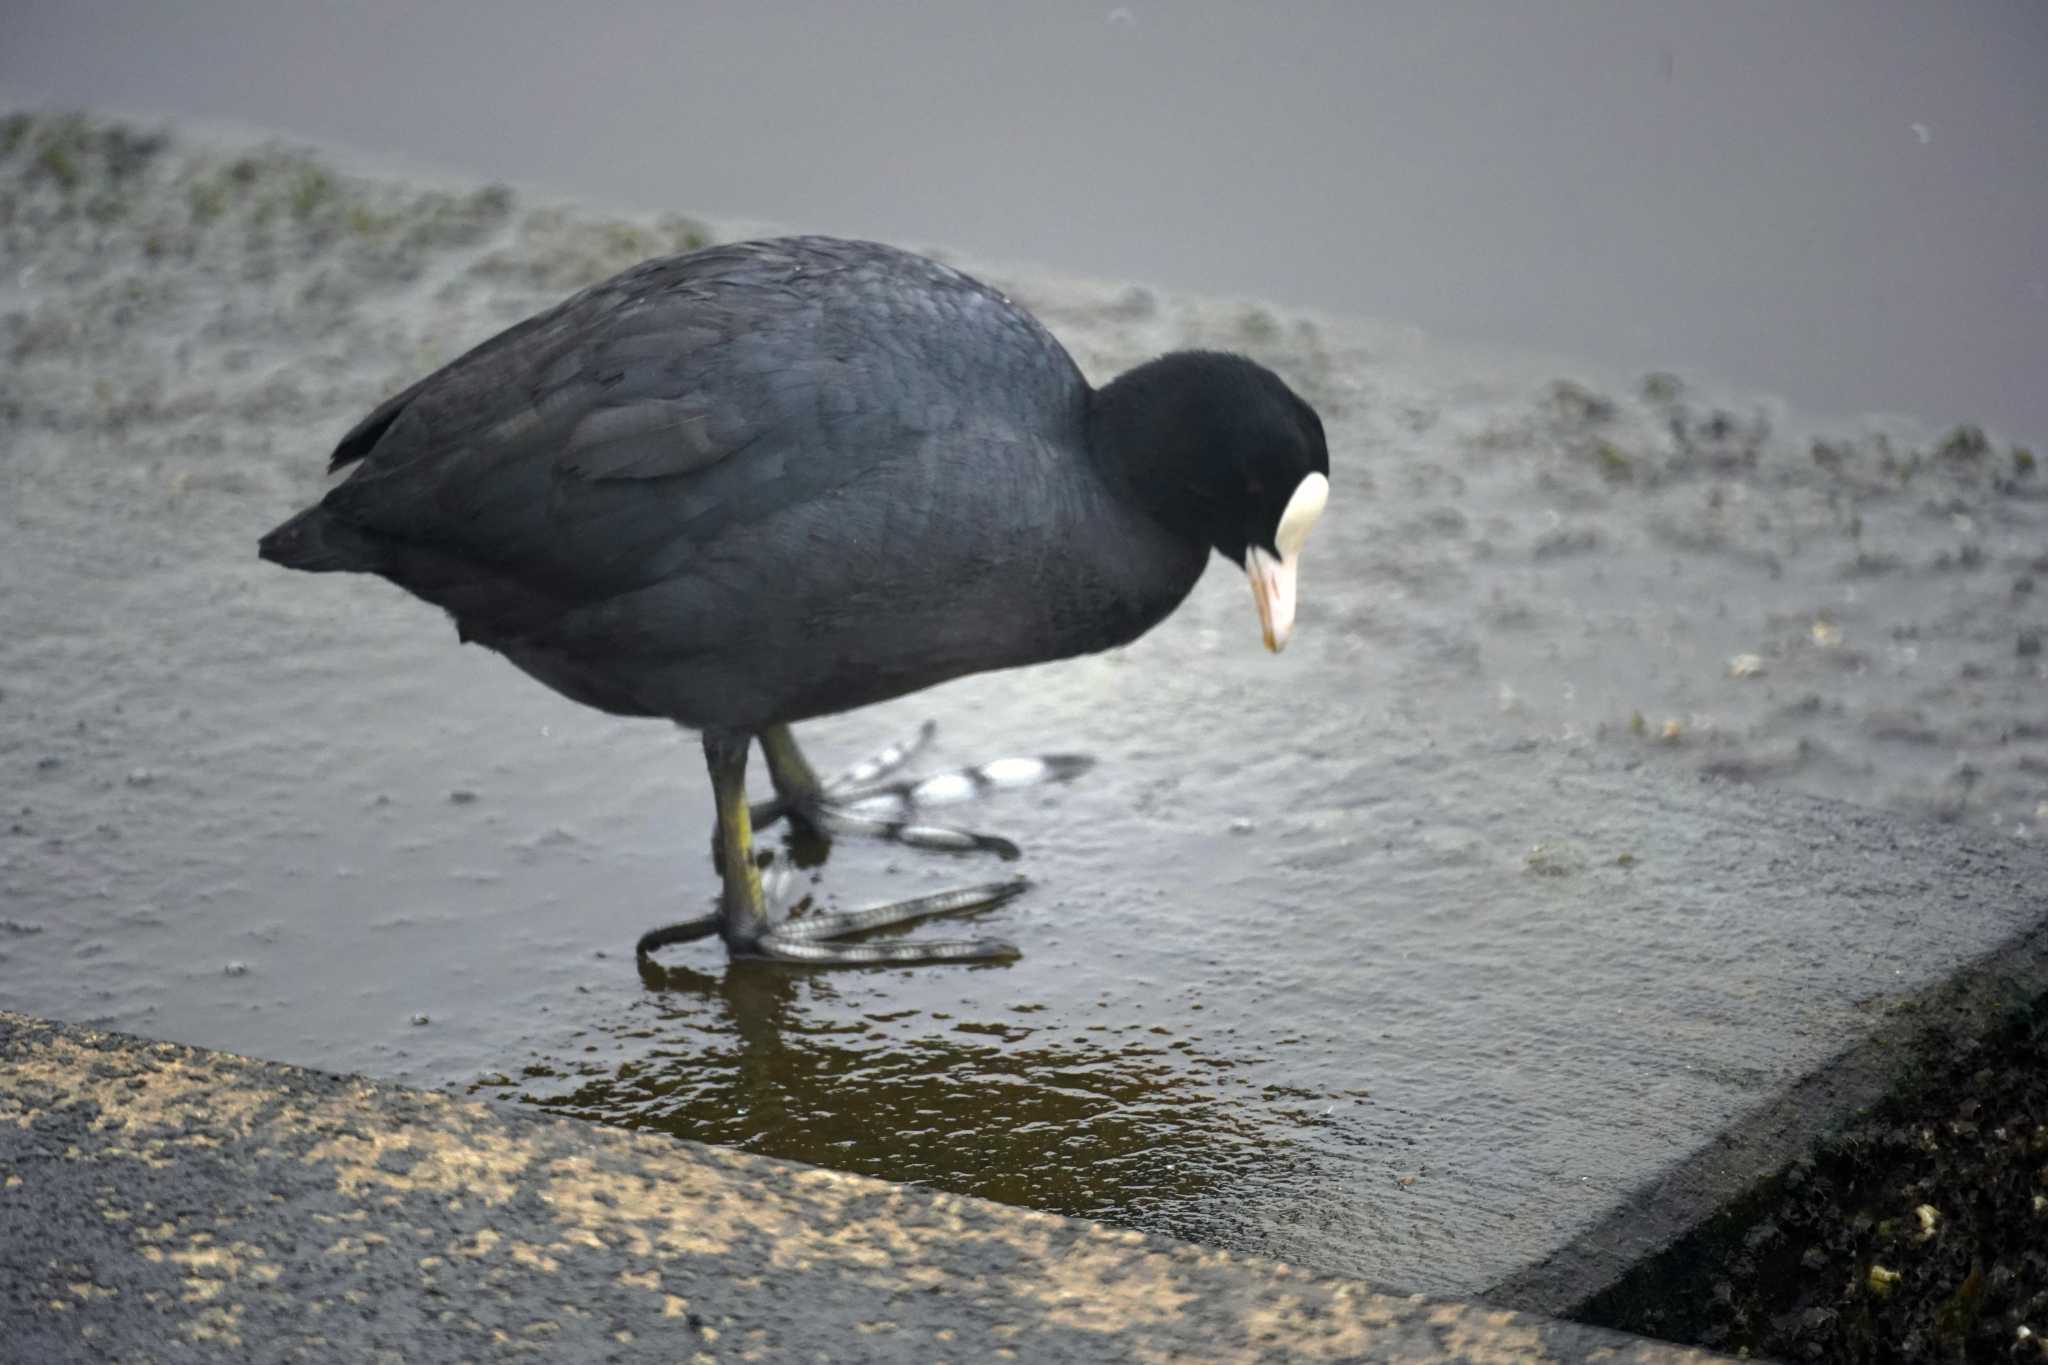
1223,451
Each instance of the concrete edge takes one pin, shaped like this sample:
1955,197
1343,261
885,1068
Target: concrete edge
170,1202
1915,1036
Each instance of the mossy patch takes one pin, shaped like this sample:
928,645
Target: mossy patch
80,157
1577,405
1966,445
1616,465
1662,387
562,250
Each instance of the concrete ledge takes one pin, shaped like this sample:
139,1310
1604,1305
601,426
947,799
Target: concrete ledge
167,1202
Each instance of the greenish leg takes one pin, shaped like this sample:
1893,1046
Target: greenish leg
796,782
742,919
743,911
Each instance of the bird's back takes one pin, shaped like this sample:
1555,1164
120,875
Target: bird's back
811,469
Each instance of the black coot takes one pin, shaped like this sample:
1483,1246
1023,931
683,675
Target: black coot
773,480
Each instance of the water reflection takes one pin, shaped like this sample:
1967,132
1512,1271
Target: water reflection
1116,1121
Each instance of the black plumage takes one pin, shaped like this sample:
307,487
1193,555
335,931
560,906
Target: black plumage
772,480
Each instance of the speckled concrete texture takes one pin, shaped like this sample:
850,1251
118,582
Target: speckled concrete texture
168,1203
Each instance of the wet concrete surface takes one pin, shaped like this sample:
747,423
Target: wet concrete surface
1413,954
168,1204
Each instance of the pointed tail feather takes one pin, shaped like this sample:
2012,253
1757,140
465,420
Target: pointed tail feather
318,542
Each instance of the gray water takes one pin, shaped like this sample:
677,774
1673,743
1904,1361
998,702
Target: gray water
1838,201
1402,954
